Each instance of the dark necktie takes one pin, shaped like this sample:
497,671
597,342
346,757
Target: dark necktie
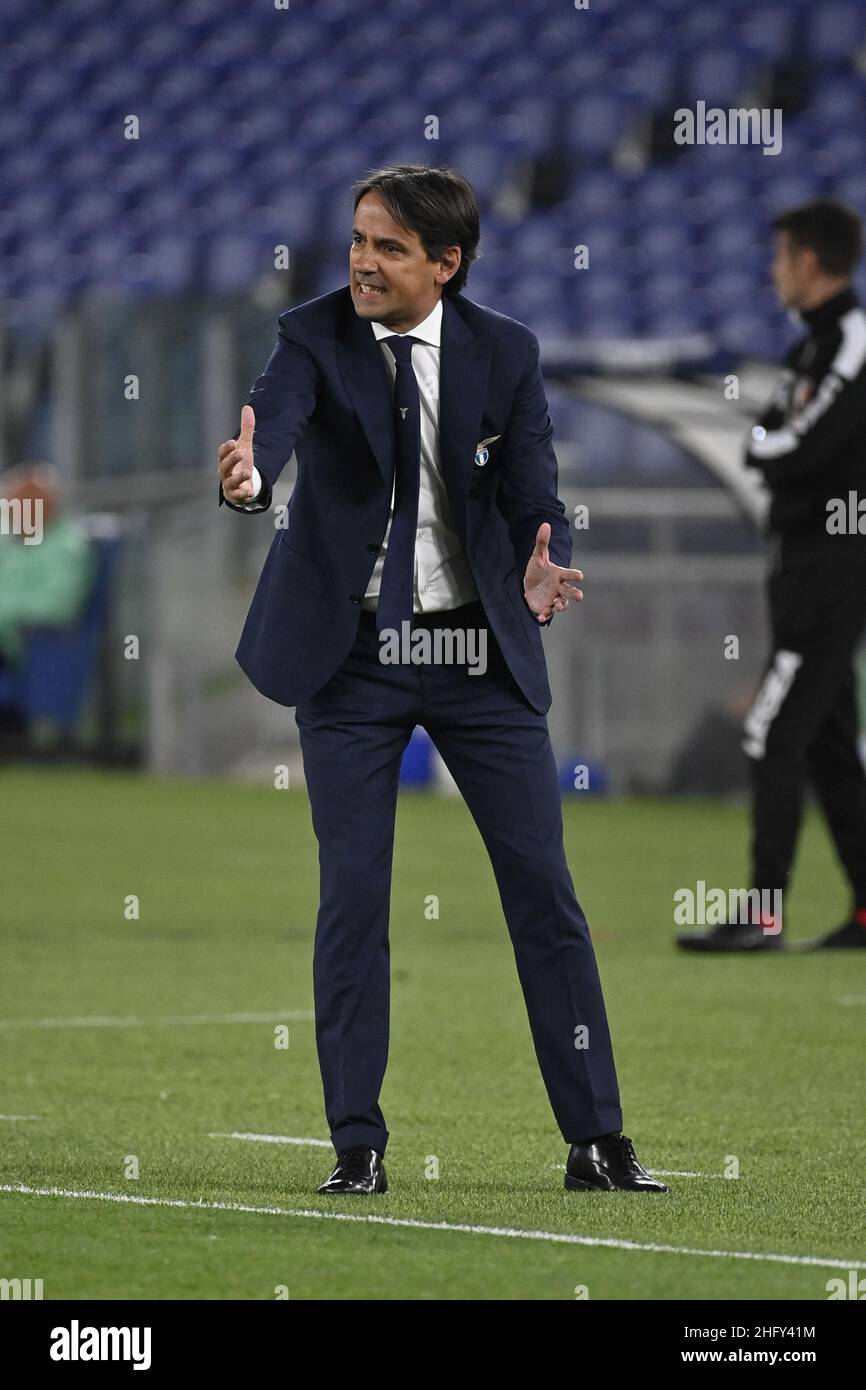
396,594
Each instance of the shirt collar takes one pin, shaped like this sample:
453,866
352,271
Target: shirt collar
429,330
831,309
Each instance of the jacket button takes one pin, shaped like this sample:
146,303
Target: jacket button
373,547
356,598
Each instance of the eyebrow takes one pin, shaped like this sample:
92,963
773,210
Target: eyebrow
382,240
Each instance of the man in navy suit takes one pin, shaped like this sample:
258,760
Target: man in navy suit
425,507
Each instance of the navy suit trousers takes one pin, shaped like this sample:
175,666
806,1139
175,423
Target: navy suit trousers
497,747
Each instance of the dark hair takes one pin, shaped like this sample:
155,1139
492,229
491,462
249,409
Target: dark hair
437,203
832,231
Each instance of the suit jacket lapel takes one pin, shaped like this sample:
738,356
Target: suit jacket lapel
464,364
368,385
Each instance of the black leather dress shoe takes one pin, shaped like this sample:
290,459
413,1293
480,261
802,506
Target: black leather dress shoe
850,936
732,936
608,1164
358,1171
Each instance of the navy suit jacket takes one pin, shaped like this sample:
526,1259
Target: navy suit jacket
326,394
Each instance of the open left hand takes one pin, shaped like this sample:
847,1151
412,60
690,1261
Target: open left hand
546,587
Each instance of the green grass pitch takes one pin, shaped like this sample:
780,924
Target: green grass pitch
761,1059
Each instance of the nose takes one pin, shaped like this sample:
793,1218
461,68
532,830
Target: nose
362,260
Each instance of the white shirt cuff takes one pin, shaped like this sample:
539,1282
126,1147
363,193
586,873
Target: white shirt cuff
256,480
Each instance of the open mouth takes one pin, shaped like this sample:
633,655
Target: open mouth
370,291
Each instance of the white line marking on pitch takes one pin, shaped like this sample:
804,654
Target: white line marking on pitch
853,999
169,1020
555,1237
326,1144
675,1173
270,1138
663,1172
20,1117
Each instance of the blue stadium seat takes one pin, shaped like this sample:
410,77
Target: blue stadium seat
718,76
254,107
768,32
835,33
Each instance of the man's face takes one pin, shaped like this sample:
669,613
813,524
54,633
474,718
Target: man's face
392,260
793,270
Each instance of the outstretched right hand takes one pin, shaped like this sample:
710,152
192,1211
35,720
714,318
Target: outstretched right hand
236,461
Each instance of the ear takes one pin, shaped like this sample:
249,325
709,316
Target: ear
449,264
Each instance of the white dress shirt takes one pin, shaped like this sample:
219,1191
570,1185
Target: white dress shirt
442,578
